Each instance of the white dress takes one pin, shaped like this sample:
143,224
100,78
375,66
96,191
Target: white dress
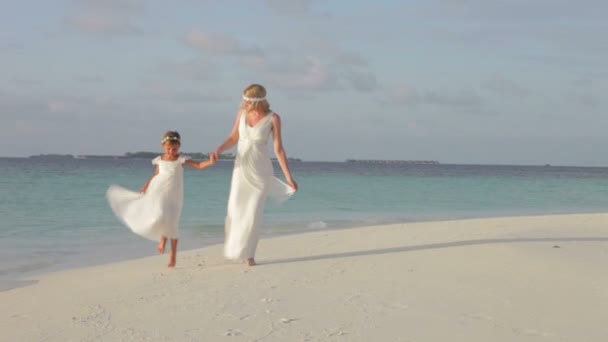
252,182
157,212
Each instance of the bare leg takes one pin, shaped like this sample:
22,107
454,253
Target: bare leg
161,245
250,262
173,254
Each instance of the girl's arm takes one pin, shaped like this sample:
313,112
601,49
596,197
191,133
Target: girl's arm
279,151
202,164
145,186
232,139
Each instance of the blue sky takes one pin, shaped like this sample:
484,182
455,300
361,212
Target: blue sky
458,81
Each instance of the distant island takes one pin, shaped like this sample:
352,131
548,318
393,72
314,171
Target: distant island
139,155
128,155
383,161
193,155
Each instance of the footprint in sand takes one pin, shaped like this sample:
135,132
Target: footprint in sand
21,316
96,316
397,306
267,300
231,332
478,317
338,333
532,332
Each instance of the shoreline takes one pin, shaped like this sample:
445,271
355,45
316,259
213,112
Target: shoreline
342,161
193,241
500,279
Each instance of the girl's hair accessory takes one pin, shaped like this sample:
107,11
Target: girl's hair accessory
165,139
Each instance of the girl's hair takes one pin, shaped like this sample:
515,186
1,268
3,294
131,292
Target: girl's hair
258,92
171,137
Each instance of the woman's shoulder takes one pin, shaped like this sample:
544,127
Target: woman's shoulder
275,117
157,160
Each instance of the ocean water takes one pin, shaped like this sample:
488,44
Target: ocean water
54,215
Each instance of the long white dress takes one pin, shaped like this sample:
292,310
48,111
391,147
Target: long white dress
157,212
252,182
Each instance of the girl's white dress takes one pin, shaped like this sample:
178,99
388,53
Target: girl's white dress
252,182
156,212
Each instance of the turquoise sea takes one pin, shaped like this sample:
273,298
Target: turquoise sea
54,213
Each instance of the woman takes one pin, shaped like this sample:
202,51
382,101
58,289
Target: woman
253,175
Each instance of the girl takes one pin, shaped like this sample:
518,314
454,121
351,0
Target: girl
155,211
253,176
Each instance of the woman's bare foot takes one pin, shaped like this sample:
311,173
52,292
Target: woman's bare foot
171,261
173,255
161,245
250,262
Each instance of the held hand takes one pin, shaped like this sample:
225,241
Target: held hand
212,158
292,183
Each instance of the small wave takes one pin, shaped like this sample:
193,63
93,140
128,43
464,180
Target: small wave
25,268
317,225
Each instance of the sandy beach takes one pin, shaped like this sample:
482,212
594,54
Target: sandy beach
539,278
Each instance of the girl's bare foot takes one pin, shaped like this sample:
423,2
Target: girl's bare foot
161,245
250,262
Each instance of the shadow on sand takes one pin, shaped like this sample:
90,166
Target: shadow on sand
433,246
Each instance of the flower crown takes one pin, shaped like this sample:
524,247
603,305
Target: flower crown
170,138
254,99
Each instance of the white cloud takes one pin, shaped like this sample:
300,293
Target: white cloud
350,58
156,91
198,69
220,44
43,106
116,6
506,87
214,43
289,68
456,98
89,79
582,81
407,95
106,17
25,81
57,106
362,80
12,46
253,62
15,105
103,24
290,7
350,67
312,74
23,126
404,95
586,99
343,63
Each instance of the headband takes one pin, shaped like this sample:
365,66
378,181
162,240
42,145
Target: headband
172,138
254,99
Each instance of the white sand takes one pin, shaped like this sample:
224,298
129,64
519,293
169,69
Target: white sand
509,279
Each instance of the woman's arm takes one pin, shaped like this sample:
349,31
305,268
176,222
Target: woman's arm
279,151
145,186
202,164
232,139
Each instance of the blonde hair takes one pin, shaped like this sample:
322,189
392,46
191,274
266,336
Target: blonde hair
255,91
